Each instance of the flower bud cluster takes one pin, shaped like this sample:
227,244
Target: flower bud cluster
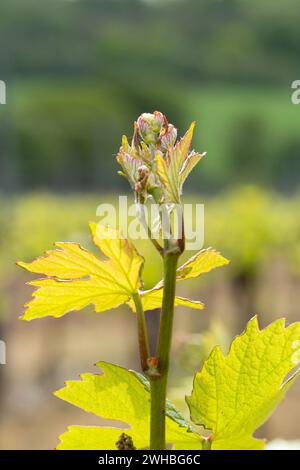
155,163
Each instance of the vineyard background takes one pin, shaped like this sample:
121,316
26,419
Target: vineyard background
77,74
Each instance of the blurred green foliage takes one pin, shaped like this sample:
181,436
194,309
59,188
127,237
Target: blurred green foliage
78,73
248,225
252,226
250,134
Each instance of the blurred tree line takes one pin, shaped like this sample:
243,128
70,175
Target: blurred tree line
79,72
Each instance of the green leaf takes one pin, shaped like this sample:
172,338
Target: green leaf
233,395
118,395
203,262
173,168
128,161
188,165
152,299
76,278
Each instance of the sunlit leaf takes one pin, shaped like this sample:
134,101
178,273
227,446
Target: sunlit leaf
130,164
121,396
122,254
162,171
233,395
175,167
56,298
188,165
203,262
152,299
68,261
76,278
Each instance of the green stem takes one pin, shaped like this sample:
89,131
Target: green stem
159,384
206,444
149,233
155,242
142,332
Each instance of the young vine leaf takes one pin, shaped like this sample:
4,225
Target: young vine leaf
77,278
233,395
118,395
152,299
203,262
173,169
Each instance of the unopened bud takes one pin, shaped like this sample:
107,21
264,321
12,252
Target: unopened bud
150,126
153,367
143,172
169,138
142,175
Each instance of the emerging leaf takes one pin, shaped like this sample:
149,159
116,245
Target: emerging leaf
152,299
203,262
119,395
168,161
173,168
188,165
233,395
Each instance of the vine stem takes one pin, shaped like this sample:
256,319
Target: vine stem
142,332
159,384
148,229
